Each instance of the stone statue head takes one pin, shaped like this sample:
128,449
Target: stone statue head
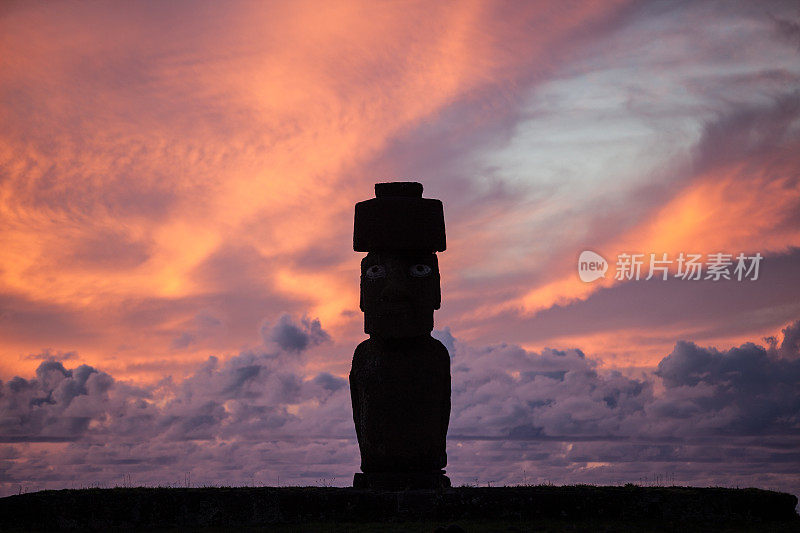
401,231
399,292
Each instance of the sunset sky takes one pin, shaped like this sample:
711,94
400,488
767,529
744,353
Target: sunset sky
178,288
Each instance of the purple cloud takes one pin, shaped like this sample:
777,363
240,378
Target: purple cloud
556,414
293,337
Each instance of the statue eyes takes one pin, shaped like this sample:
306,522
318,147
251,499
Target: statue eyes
376,272
420,270
379,271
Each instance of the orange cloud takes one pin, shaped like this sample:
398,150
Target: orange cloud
744,206
141,141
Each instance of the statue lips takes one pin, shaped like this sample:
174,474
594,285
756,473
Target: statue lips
383,309
394,312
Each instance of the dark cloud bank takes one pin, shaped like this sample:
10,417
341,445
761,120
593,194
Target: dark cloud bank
703,416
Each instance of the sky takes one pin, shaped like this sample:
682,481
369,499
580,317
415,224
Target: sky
178,289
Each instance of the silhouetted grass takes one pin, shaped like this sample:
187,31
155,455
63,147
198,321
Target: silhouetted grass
524,508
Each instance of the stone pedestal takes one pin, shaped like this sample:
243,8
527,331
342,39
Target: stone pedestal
401,480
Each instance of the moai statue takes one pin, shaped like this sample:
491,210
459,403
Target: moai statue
400,379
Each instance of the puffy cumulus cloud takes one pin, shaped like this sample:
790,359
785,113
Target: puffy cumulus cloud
245,395
59,403
293,337
790,345
226,418
703,416
445,337
507,392
747,390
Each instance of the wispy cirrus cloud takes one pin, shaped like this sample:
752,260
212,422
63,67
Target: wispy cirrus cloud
219,160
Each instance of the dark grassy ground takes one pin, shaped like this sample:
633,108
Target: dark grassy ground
541,508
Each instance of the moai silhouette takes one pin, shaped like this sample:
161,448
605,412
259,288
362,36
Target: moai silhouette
400,379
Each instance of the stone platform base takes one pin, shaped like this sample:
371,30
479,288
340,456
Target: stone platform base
340,509
401,480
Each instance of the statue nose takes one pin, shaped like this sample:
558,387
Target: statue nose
395,289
